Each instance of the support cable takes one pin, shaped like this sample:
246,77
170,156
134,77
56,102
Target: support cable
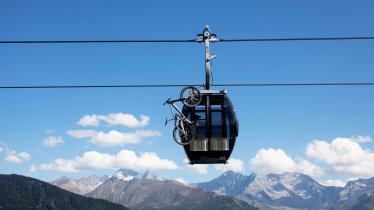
183,85
187,40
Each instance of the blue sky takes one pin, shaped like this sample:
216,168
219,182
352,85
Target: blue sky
325,132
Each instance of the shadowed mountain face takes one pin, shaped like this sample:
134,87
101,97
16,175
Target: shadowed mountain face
357,194
150,192
20,192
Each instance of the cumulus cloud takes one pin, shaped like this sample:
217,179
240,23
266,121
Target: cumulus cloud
32,169
233,165
271,161
123,159
24,155
333,182
308,168
362,139
89,120
52,141
180,180
12,156
277,161
197,168
15,157
343,155
127,120
113,137
79,134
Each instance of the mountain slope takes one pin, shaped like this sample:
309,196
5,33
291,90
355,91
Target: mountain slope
354,188
229,183
81,186
142,193
357,194
20,192
288,190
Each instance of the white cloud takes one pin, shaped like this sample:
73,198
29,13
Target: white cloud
308,168
197,168
123,159
53,141
343,155
89,120
233,165
335,182
25,156
362,139
13,157
180,180
79,134
127,120
113,137
62,165
271,161
277,161
32,169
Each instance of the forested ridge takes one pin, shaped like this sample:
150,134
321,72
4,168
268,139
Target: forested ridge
20,192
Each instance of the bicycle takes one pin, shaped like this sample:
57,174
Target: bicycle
184,129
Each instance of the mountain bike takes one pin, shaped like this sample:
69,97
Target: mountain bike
184,129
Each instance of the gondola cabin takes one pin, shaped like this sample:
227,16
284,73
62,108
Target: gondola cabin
216,128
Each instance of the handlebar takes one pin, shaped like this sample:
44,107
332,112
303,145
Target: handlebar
169,101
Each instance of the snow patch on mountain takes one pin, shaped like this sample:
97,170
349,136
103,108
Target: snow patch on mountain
126,175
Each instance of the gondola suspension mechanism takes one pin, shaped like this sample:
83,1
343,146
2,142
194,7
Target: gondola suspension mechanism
207,126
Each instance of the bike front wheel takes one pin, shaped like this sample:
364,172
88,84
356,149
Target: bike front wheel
181,138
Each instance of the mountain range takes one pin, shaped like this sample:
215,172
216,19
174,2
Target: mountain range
149,191
292,191
272,191
81,186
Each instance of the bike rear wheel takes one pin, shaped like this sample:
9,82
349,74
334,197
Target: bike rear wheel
191,96
181,138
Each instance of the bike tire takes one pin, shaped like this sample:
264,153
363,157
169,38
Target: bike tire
180,139
191,101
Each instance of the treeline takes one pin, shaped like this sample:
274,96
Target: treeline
20,192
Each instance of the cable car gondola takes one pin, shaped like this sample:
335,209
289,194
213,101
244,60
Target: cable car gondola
207,125
216,128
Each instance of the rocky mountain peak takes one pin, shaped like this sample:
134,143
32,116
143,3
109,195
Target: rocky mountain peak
126,174
80,186
152,175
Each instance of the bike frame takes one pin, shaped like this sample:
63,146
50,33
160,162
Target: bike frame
177,117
